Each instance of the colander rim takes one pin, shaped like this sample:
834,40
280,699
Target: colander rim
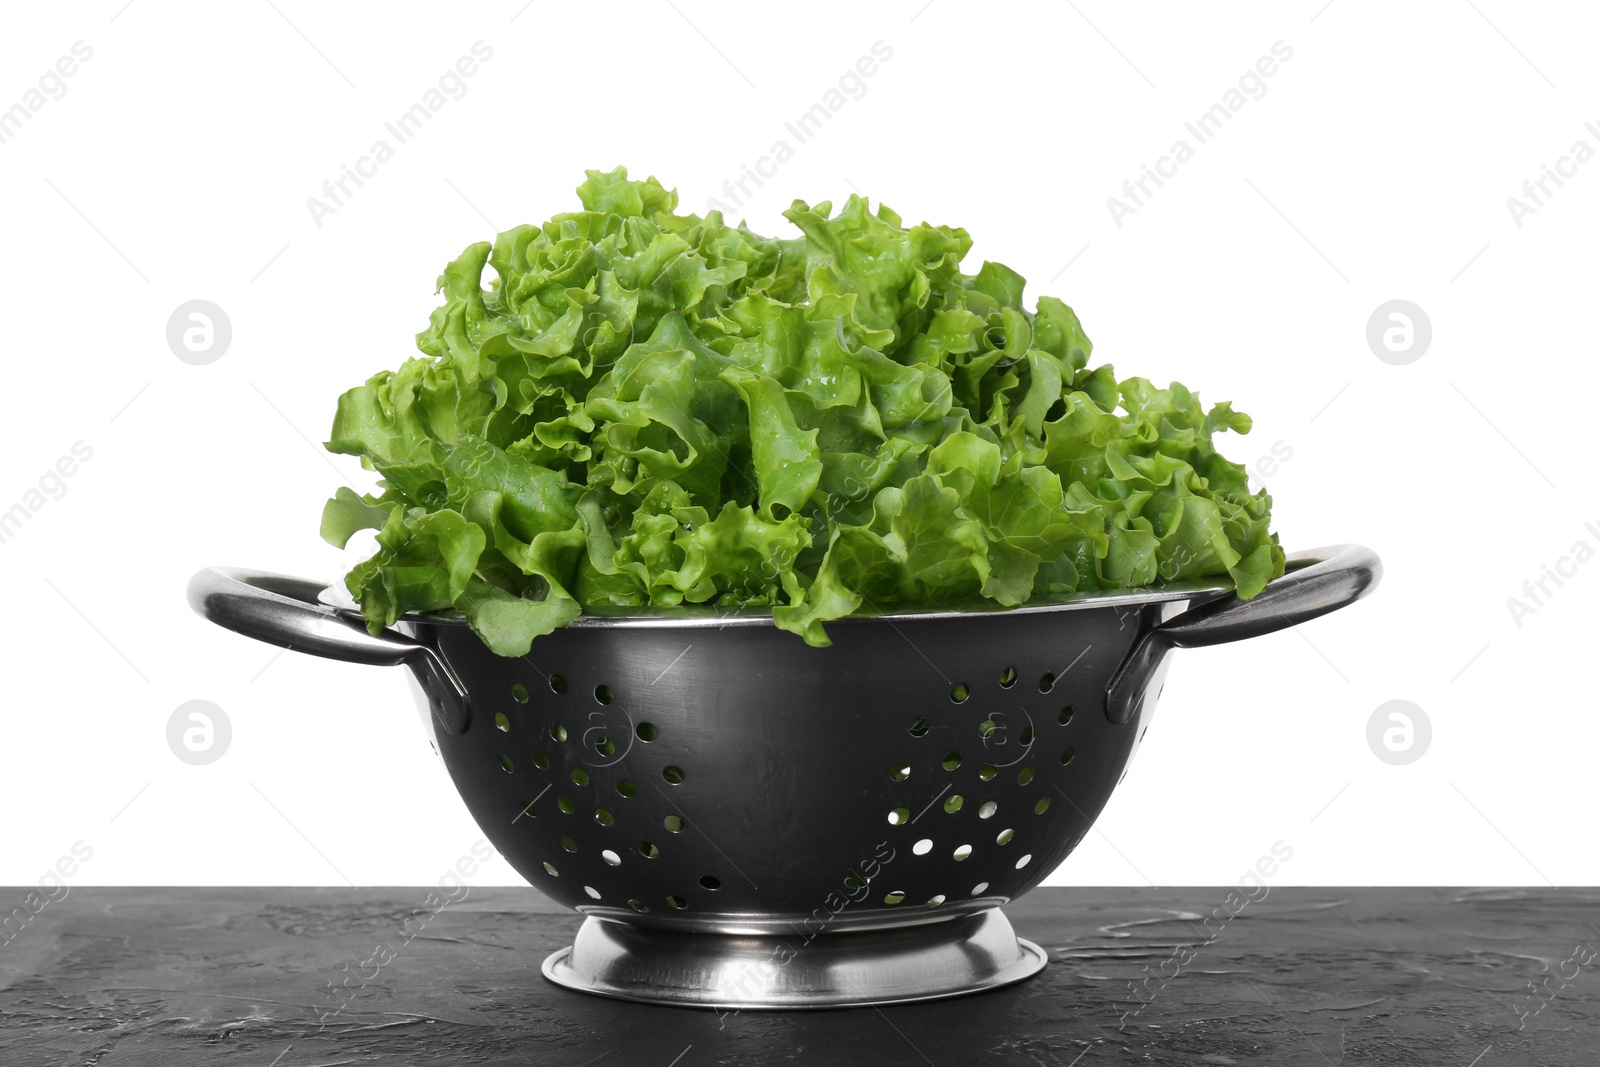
706,617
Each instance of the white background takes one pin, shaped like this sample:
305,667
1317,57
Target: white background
1377,166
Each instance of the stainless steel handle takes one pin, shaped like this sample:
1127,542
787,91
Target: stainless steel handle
1317,582
284,611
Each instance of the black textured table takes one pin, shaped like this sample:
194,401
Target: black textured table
299,977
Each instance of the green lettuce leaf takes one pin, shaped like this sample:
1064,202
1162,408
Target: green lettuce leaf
651,408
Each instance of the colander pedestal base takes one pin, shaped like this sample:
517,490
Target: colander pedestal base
737,972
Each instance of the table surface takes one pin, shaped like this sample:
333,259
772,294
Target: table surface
170,977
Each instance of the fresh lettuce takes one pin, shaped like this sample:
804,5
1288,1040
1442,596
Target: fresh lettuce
644,407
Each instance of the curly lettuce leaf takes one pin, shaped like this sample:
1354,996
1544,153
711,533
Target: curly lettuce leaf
652,408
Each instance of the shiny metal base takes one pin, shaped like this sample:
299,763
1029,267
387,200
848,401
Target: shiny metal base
733,972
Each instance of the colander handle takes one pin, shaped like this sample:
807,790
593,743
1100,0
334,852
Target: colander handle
1317,582
285,611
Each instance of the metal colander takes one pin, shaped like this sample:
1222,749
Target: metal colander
751,822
